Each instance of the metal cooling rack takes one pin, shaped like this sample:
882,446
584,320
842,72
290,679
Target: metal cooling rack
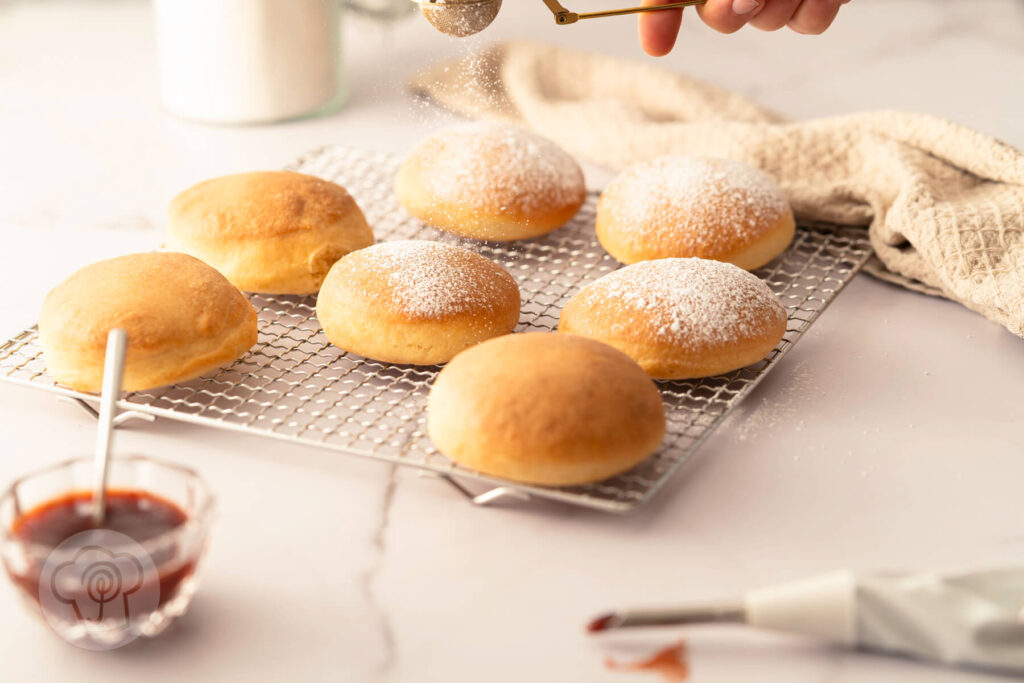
296,387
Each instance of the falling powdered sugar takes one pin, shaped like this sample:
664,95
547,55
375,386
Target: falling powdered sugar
688,303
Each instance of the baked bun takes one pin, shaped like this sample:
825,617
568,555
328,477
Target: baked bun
681,317
545,408
416,302
274,232
491,181
183,318
693,206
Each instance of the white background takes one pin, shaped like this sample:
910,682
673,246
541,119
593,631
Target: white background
890,437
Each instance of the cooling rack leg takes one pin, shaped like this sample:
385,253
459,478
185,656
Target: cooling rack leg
487,497
119,419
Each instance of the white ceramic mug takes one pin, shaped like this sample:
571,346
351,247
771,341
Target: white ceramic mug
249,61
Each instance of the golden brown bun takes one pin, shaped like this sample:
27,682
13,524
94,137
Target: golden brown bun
680,318
694,206
491,181
416,302
545,408
183,318
275,232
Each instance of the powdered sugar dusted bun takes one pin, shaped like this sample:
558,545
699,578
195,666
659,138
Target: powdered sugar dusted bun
693,206
491,181
545,408
415,302
680,317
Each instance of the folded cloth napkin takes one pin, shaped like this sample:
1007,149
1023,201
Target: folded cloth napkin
945,204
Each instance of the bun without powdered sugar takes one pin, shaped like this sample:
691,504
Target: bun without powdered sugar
694,206
680,318
491,181
416,302
545,408
183,319
273,232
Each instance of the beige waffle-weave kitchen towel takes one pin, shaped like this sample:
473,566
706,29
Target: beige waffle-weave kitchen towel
945,204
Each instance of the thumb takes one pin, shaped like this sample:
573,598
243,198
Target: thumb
728,16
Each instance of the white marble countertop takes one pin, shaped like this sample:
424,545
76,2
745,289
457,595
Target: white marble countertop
890,437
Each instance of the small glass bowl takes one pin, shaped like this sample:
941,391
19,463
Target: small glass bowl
172,557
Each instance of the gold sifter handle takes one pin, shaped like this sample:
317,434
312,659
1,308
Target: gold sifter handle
564,16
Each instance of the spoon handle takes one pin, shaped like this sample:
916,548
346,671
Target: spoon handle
113,372
635,10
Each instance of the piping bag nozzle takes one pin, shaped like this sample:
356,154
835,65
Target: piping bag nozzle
973,618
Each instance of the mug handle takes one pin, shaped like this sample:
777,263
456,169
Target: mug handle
382,10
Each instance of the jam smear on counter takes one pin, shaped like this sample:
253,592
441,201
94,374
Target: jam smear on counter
670,663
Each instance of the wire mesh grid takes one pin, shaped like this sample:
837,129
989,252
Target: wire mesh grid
295,386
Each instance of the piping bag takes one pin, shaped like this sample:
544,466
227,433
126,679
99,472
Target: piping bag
966,619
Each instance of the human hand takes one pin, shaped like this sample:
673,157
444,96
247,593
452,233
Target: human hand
658,30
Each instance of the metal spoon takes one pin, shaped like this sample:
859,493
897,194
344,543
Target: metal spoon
113,373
